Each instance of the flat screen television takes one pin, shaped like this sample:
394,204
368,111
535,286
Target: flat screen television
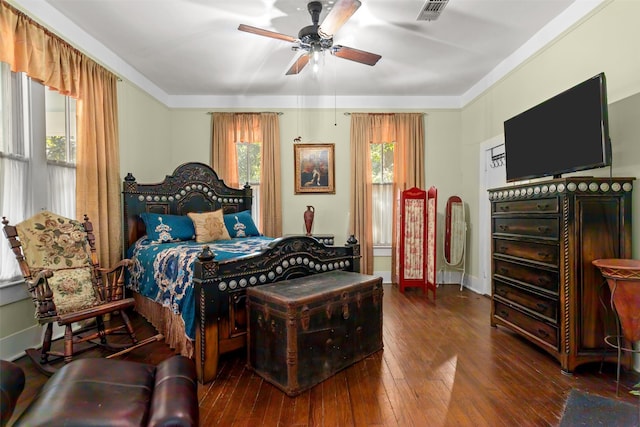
566,133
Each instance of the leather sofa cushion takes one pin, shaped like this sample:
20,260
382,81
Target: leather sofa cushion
94,392
175,396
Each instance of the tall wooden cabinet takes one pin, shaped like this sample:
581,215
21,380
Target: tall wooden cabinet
544,286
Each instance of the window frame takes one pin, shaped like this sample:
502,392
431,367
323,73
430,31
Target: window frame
255,186
24,124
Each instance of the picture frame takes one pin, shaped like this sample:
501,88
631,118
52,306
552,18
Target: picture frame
314,169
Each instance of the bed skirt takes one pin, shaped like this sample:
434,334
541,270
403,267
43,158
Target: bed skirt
167,323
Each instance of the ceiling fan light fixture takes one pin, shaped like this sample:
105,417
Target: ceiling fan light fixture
316,50
313,40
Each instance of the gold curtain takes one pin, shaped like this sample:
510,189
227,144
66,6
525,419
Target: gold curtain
361,181
408,166
223,149
406,130
229,128
30,48
98,160
270,183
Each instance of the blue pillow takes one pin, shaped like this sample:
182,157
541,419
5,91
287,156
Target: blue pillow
240,224
163,228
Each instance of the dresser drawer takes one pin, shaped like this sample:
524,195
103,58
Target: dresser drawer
537,328
533,276
547,307
549,205
534,227
527,250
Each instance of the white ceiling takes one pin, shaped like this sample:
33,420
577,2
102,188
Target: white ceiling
190,52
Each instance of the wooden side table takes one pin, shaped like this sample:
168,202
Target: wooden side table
623,278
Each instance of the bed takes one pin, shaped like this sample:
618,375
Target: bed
214,279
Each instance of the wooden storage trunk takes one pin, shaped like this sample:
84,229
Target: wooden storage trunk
304,330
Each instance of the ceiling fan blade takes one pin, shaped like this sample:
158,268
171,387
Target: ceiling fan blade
338,15
266,33
356,55
299,64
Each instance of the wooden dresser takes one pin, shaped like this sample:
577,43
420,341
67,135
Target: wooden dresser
544,237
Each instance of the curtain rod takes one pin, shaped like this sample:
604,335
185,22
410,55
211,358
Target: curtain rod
382,114
247,112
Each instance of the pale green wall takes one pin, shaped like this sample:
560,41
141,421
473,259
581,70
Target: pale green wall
189,139
605,41
145,135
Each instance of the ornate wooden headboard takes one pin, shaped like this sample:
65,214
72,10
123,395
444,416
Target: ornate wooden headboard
193,187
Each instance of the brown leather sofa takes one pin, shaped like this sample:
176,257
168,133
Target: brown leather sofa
107,392
11,386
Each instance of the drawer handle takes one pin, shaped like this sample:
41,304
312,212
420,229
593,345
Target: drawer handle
543,255
542,207
542,306
543,333
504,313
544,230
503,270
504,208
501,291
503,249
503,227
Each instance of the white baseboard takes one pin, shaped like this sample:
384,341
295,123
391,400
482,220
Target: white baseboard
474,284
12,347
470,282
386,276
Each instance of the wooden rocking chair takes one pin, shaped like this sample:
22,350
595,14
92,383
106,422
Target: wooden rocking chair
58,260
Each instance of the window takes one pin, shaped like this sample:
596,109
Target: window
60,148
249,169
382,192
37,155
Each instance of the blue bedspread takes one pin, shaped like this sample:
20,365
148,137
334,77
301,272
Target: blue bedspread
164,272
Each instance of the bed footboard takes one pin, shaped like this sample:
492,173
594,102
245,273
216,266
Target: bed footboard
220,289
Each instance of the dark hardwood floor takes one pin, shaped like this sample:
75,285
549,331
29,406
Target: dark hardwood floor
442,364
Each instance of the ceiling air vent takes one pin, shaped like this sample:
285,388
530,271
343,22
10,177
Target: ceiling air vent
432,10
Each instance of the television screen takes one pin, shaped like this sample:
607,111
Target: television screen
567,133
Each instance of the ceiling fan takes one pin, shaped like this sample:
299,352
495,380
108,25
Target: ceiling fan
315,39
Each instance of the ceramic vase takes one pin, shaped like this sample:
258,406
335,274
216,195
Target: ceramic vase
308,219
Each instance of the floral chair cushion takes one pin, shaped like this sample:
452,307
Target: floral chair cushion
73,290
53,242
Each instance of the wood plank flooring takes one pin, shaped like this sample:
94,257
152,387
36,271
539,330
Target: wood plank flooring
442,365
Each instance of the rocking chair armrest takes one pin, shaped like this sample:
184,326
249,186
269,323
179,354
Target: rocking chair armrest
41,276
42,295
121,264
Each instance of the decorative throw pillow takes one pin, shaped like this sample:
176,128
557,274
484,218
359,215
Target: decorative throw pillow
209,226
163,228
240,224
